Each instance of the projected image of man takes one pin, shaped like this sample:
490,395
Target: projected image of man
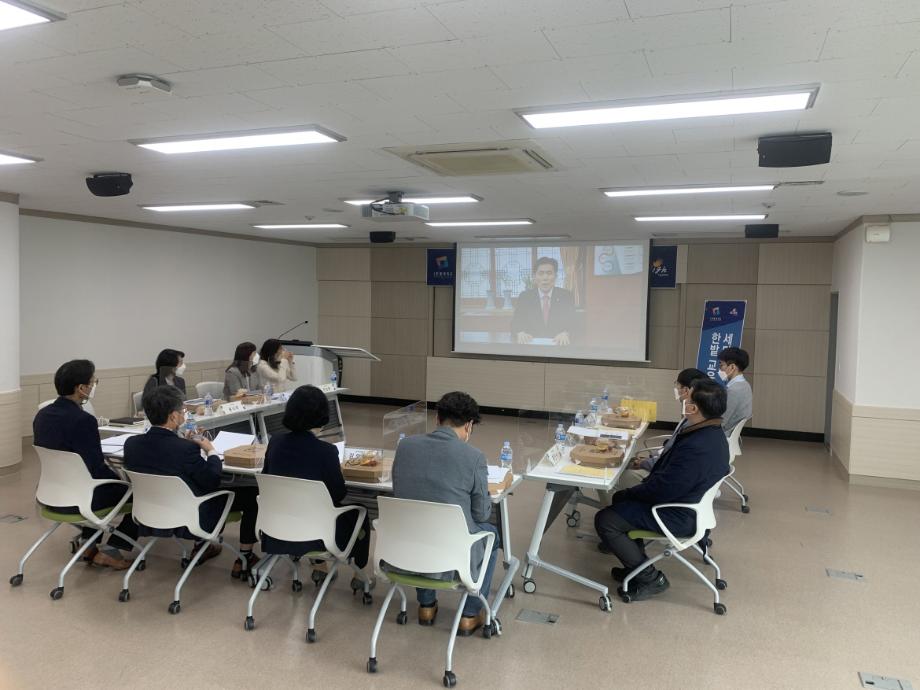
545,310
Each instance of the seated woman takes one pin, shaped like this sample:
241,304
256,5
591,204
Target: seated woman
238,376
300,454
276,366
168,370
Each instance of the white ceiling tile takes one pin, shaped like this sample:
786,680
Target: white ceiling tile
348,8
670,31
480,80
509,48
361,64
468,18
202,17
542,95
854,42
218,80
644,8
626,88
239,47
364,32
99,94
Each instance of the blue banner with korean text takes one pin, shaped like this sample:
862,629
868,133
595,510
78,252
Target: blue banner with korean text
723,323
442,264
662,266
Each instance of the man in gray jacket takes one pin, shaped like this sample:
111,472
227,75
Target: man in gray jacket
732,363
442,467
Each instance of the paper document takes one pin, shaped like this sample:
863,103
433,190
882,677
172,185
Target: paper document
584,471
497,474
605,432
340,446
114,442
225,440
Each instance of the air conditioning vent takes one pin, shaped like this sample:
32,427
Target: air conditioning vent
482,158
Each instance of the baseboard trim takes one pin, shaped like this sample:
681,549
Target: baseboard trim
884,482
10,469
515,412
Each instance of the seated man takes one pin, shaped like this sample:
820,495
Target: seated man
64,425
640,467
441,467
739,406
161,451
696,460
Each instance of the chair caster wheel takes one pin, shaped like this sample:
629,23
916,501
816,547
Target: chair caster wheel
296,586
576,514
74,545
372,665
367,599
174,608
16,580
142,565
530,586
625,597
249,623
449,680
183,563
721,584
719,609
268,584
318,576
488,631
497,625
605,603
57,593
311,635
124,595
402,618
708,543
745,509
510,593
571,521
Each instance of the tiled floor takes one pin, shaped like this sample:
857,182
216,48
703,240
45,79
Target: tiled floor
788,624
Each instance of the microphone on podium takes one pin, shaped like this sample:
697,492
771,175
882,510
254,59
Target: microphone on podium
296,325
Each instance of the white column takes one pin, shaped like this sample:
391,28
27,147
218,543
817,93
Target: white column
10,433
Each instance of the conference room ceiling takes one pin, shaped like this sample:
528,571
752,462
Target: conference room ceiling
396,73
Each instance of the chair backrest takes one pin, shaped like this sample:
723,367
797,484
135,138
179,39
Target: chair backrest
44,403
734,441
215,388
136,399
293,509
423,537
164,502
706,514
64,480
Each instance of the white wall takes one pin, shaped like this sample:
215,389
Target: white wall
847,280
9,296
118,295
889,321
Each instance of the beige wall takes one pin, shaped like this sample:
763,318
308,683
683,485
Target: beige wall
378,296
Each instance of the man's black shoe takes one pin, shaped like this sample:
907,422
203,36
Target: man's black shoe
619,574
640,591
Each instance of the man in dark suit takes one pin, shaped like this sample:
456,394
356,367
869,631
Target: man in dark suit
64,425
161,451
544,311
693,464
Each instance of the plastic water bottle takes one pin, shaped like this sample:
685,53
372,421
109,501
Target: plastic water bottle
334,379
594,406
208,405
560,435
506,455
579,418
605,399
267,392
401,436
188,429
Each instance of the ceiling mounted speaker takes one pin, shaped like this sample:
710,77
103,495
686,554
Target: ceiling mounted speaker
110,184
761,230
794,150
382,236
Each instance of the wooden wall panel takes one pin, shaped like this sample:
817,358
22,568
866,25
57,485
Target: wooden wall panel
353,331
664,307
722,263
443,302
400,337
799,353
885,448
399,264
789,403
492,383
796,263
401,300
343,263
841,428
10,426
343,298
793,307
356,375
28,406
570,387
399,376
663,346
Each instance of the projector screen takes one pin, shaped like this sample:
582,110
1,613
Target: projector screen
573,300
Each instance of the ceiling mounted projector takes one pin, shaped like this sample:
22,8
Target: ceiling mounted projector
109,183
393,208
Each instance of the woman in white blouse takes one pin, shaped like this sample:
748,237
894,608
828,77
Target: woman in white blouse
276,366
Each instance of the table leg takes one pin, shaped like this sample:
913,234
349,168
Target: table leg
509,561
263,430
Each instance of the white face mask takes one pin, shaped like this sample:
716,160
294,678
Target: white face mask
255,359
180,369
677,394
683,408
722,375
92,392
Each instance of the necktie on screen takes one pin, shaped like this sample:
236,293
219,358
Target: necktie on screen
545,309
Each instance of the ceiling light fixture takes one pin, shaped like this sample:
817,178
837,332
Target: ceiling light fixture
235,206
465,199
673,108
670,219
669,191
233,141
16,159
479,223
299,226
14,14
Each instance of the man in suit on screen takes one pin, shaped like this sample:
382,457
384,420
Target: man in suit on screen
544,311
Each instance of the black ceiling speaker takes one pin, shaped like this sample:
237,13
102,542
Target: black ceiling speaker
760,230
109,184
794,150
382,236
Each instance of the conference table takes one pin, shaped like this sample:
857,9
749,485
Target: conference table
565,483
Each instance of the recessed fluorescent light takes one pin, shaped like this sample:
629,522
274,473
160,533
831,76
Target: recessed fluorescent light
479,223
15,14
16,159
298,226
200,207
252,139
668,219
668,191
673,108
465,199
523,237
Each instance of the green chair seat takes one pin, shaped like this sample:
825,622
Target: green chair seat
76,518
644,534
324,555
235,516
422,582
